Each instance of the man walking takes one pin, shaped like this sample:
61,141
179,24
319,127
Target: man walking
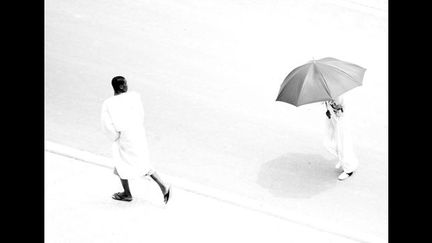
122,121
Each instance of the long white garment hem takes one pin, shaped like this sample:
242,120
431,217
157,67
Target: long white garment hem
131,155
338,142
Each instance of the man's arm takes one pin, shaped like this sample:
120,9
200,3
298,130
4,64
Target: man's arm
107,125
328,114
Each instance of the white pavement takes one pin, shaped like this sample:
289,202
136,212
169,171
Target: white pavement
79,208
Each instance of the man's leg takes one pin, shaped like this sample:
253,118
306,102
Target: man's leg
126,189
159,181
164,188
126,194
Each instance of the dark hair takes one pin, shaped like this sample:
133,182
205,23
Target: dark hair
117,81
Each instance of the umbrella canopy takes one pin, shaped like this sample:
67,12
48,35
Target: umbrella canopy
320,80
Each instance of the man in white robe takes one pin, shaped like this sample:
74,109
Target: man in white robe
122,120
338,138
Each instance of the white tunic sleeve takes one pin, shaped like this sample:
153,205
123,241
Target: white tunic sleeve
107,124
140,110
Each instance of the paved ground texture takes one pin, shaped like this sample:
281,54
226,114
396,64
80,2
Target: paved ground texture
79,209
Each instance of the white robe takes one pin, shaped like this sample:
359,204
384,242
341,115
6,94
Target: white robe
122,121
338,138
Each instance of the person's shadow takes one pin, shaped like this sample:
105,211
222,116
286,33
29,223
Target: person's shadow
298,175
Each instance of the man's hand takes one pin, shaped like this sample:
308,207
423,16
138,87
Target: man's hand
328,114
118,136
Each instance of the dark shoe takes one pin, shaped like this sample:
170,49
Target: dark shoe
167,195
121,196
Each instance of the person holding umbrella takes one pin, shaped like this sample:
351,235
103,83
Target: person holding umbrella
122,121
338,137
325,80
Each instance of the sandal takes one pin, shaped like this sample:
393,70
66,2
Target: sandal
121,196
167,195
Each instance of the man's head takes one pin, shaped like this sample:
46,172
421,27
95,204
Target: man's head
119,85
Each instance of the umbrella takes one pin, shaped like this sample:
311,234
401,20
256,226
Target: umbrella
320,80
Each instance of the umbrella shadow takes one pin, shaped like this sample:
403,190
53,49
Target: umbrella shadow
298,175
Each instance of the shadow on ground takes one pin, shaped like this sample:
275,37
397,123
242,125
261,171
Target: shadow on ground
298,175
